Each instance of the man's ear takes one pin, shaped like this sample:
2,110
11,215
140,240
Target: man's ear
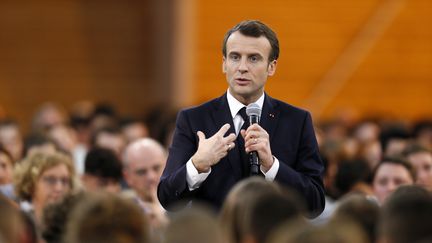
223,65
272,68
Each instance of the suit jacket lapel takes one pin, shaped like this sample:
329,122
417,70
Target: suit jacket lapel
269,116
221,116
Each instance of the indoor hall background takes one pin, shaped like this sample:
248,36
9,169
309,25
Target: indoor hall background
362,56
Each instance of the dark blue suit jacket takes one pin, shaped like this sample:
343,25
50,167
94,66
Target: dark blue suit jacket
292,141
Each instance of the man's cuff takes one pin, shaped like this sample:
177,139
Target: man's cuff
271,174
193,177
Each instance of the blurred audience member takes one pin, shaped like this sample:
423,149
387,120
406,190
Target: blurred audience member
407,216
133,129
334,131
422,133
421,159
389,174
80,118
11,139
104,115
340,231
65,139
109,138
56,216
394,139
330,190
11,222
270,211
144,161
371,152
353,176
161,120
107,218
102,171
38,143
360,209
237,206
42,179
48,115
366,131
193,225
6,174
63,136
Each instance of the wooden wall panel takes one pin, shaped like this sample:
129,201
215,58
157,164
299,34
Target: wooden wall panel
66,51
393,78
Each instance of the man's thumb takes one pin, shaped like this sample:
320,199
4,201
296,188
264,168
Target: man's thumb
201,136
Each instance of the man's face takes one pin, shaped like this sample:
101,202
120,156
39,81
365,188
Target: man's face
246,66
143,172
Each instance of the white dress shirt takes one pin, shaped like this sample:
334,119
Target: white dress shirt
195,179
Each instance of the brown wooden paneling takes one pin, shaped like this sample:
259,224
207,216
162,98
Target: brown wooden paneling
395,76
66,51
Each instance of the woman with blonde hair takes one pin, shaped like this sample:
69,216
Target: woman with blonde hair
43,179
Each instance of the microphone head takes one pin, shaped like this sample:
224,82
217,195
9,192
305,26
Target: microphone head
253,110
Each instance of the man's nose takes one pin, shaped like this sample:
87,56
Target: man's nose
243,65
152,175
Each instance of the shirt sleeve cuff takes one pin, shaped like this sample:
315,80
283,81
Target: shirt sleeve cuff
193,177
270,175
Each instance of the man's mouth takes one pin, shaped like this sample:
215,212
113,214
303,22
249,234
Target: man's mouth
242,81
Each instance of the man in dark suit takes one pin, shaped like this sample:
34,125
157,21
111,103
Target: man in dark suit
209,150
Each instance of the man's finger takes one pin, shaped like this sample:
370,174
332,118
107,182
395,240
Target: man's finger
224,129
230,138
201,136
243,133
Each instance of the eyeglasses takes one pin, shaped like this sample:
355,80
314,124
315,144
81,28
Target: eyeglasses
52,180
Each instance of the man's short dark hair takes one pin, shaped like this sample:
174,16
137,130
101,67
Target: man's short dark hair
103,163
255,28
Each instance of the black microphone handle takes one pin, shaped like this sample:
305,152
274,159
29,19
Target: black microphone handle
254,163
253,155
253,119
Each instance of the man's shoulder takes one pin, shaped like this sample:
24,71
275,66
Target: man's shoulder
204,107
286,107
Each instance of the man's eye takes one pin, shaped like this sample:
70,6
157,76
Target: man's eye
235,57
254,58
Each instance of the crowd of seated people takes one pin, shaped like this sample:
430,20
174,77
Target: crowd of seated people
90,175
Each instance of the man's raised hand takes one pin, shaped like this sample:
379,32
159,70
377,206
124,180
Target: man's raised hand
213,149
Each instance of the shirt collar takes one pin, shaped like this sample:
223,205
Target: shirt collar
236,105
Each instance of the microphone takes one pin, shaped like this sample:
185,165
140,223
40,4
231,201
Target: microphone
253,111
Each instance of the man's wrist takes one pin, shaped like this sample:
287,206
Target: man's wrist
265,169
198,168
